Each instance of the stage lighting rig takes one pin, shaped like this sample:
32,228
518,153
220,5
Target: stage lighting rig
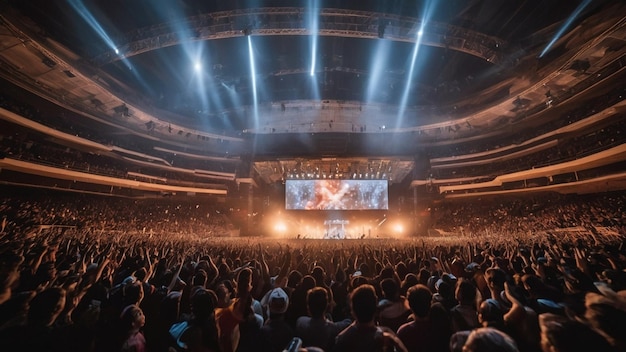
382,24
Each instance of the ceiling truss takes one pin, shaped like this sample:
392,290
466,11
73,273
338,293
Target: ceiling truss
293,21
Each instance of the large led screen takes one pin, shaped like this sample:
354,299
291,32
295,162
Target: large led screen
336,195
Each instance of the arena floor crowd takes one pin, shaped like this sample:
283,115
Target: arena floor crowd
532,275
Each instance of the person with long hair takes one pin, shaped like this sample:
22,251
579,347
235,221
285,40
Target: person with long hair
202,333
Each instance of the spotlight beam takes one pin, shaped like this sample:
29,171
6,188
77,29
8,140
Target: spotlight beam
379,63
313,25
313,54
407,88
86,15
254,90
429,10
565,26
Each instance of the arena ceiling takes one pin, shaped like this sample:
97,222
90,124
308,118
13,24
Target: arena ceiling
319,80
192,57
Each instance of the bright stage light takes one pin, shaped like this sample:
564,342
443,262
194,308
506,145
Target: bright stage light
117,51
398,228
280,227
197,66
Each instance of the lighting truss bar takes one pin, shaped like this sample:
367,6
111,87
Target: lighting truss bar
289,21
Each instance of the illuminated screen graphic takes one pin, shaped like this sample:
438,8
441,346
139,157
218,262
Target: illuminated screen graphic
336,195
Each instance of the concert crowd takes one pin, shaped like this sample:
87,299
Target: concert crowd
103,274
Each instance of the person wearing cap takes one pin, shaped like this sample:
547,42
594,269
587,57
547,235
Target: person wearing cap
476,273
516,322
445,292
276,333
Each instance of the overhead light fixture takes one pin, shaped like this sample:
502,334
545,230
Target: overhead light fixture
381,28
